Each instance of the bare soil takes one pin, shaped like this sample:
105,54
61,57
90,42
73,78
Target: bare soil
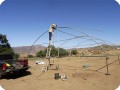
81,75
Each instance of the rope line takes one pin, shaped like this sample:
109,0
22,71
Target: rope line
36,41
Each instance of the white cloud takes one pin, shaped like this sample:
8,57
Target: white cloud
1,1
118,1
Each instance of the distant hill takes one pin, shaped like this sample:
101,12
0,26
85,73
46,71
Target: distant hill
97,50
106,47
24,50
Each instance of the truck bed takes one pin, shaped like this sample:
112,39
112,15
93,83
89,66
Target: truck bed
13,66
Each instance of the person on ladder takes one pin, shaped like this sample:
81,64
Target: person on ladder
51,30
48,55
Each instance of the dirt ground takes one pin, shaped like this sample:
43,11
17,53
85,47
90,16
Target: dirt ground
81,75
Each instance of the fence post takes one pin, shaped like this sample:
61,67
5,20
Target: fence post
107,66
119,59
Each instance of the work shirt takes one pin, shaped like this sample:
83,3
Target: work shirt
51,29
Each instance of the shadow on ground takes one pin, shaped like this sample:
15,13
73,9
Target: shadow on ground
16,75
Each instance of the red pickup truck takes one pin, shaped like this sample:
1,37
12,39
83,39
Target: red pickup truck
9,65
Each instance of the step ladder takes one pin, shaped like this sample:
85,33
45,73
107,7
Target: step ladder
51,65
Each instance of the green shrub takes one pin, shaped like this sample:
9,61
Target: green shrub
53,53
74,52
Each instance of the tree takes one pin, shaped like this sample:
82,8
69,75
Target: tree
5,47
4,41
16,55
41,53
30,56
63,52
74,52
53,53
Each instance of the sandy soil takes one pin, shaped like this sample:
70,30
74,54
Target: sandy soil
78,77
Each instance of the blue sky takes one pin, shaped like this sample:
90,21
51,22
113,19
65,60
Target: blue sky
24,20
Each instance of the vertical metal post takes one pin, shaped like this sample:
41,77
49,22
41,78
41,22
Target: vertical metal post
58,55
69,54
119,59
107,66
